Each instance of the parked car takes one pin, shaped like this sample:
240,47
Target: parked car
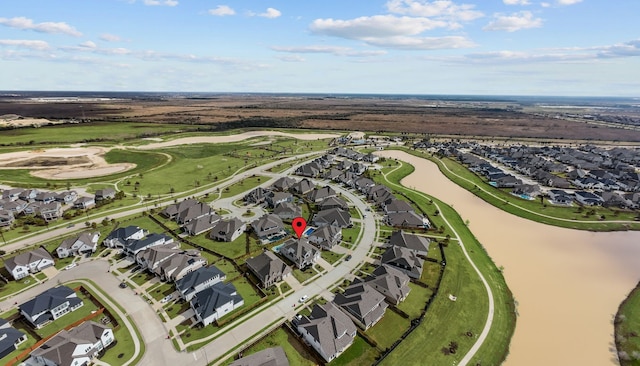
303,298
166,298
70,266
123,284
348,257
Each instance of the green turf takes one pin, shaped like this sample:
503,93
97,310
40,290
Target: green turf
388,329
359,353
627,329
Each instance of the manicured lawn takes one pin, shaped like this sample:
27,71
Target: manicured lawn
69,318
330,257
13,286
302,276
415,301
164,289
144,222
389,329
296,352
430,273
351,234
226,267
142,277
244,185
359,353
176,309
234,249
627,329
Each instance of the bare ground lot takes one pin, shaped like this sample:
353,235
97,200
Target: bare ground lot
366,114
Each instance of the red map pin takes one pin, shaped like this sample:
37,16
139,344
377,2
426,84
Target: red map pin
299,224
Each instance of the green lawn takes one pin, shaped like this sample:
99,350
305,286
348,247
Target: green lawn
244,185
627,329
162,290
359,353
234,249
302,276
142,277
389,329
415,301
13,286
297,354
430,273
330,257
351,234
175,309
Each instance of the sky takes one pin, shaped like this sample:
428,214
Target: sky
485,47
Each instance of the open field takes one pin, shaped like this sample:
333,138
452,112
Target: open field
417,115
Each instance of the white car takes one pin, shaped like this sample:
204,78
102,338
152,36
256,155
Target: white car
303,298
166,298
70,266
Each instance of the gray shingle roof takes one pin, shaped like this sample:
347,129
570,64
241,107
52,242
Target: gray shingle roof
189,282
209,300
49,299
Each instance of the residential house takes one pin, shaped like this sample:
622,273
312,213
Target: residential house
29,195
268,268
379,194
370,158
327,329
119,237
10,338
50,211
201,224
84,203
332,174
363,184
358,168
133,246
172,211
312,170
276,198
198,280
29,262
256,196
50,305
407,220
214,302
326,237
526,191
320,194
332,216
77,346
11,194
269,228
300,252
45,197
362,303
179,265
273,356
505,181
193,212
588,198
67,197
283,184
404,260
151,258
347,178
228,230
333,202
417,244
391,282
613,199
302,187
86,242
560,197
15,207
6,218
105,194
396,206
287,211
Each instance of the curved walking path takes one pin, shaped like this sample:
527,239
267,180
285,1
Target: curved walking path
487,325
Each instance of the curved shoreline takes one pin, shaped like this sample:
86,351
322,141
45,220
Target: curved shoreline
567,282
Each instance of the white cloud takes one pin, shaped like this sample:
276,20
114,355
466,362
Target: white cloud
88,44
23,43
291,58
514,22
516,2
333,50
160,2
568,2
545,5
442,9
222,10
374,26
110,37
45,27
271,13
422,43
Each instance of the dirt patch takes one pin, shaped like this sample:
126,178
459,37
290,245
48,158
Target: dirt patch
49,162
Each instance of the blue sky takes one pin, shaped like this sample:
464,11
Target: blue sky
504,47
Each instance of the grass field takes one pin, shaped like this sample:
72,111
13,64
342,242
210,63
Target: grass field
359,353
242,186
389,329
86,132
627,329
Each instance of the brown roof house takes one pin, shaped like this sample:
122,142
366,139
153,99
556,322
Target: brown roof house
268,268
328,330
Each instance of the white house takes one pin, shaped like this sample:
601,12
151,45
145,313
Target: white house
26,263
215,302
86,242
50,305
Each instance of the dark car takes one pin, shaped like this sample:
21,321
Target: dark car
123,285
348,257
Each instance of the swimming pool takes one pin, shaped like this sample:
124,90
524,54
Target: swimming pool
309,231
277,248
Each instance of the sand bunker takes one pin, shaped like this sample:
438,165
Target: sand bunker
63,163
234,138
